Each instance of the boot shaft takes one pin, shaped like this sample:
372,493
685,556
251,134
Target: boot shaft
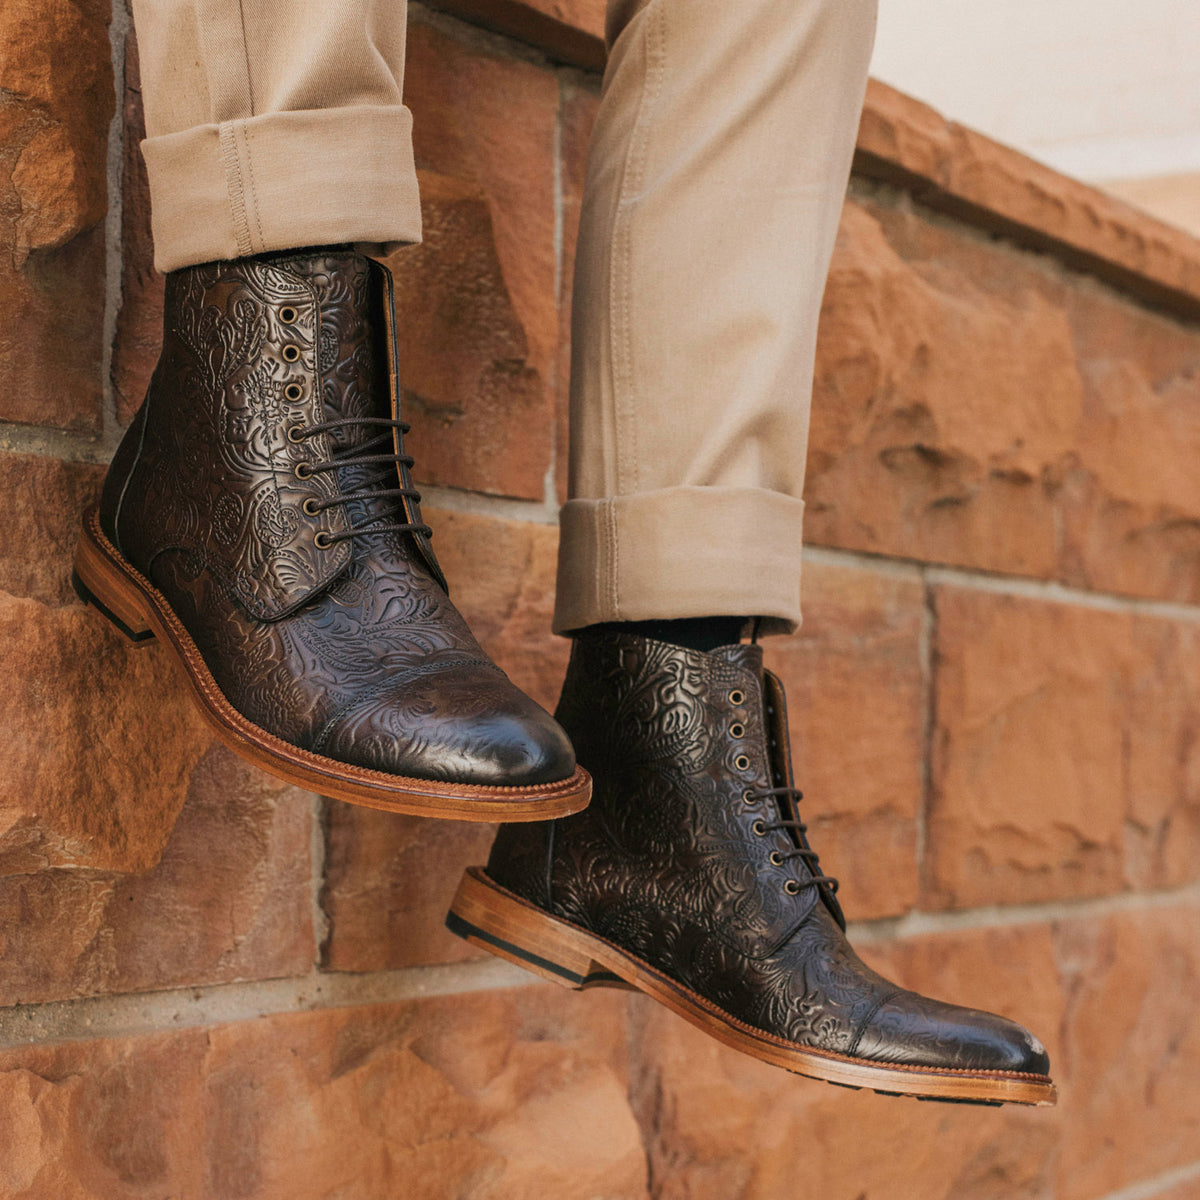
681,746
254,351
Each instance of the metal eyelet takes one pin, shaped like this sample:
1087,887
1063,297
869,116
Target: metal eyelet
742,762
737,729
749,797
302,471
311,507
293,392
290,353
792,888
288,315
295,434
760,828
776,859
322,541
736,697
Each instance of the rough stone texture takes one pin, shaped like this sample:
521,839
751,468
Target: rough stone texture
515,1096
476,301
43,500
229,899
1131,1029
976,405
139,322
86,714
856,701
1064,759
56,99
389,879
993,186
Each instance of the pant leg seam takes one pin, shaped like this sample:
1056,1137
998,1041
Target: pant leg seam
231,161
246,135
632,177
612,559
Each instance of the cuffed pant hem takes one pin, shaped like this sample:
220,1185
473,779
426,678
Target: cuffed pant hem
281,181
680,552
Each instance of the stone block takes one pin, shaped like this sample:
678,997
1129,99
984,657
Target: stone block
508,1096
856,698
996,188
56,99
229,899
389,879
44,500
981,406
941,411
1064,761
477,307
100,740
1131,1047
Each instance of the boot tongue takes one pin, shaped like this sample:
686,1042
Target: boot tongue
352,358
745,656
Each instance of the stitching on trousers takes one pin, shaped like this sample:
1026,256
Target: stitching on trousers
635,165
610,540
230,160
253,191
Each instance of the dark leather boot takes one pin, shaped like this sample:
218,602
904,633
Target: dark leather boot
259,519
690,878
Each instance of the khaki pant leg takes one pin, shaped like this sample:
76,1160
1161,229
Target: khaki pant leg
716,177
275,124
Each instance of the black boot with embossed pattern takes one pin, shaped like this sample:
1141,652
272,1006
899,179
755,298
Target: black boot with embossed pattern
690,877
259,520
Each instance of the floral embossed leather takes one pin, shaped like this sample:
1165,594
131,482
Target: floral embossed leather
690,875
260,517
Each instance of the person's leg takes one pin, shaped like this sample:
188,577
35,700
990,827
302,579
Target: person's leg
716,179
273,124
719,160
259,517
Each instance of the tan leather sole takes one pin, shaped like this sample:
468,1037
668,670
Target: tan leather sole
492,917
104,579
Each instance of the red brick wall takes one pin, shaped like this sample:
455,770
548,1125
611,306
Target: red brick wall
213,985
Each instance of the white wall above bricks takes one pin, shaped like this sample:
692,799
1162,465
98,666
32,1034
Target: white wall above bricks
1099,89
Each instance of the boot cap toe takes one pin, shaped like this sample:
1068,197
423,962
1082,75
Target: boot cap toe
465,723
918,1031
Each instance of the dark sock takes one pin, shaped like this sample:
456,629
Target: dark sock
693,633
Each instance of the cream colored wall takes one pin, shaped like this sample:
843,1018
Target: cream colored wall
1106,90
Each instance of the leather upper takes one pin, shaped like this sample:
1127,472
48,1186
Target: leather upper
348,646
672,863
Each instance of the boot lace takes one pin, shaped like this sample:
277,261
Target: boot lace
802,851
369,489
